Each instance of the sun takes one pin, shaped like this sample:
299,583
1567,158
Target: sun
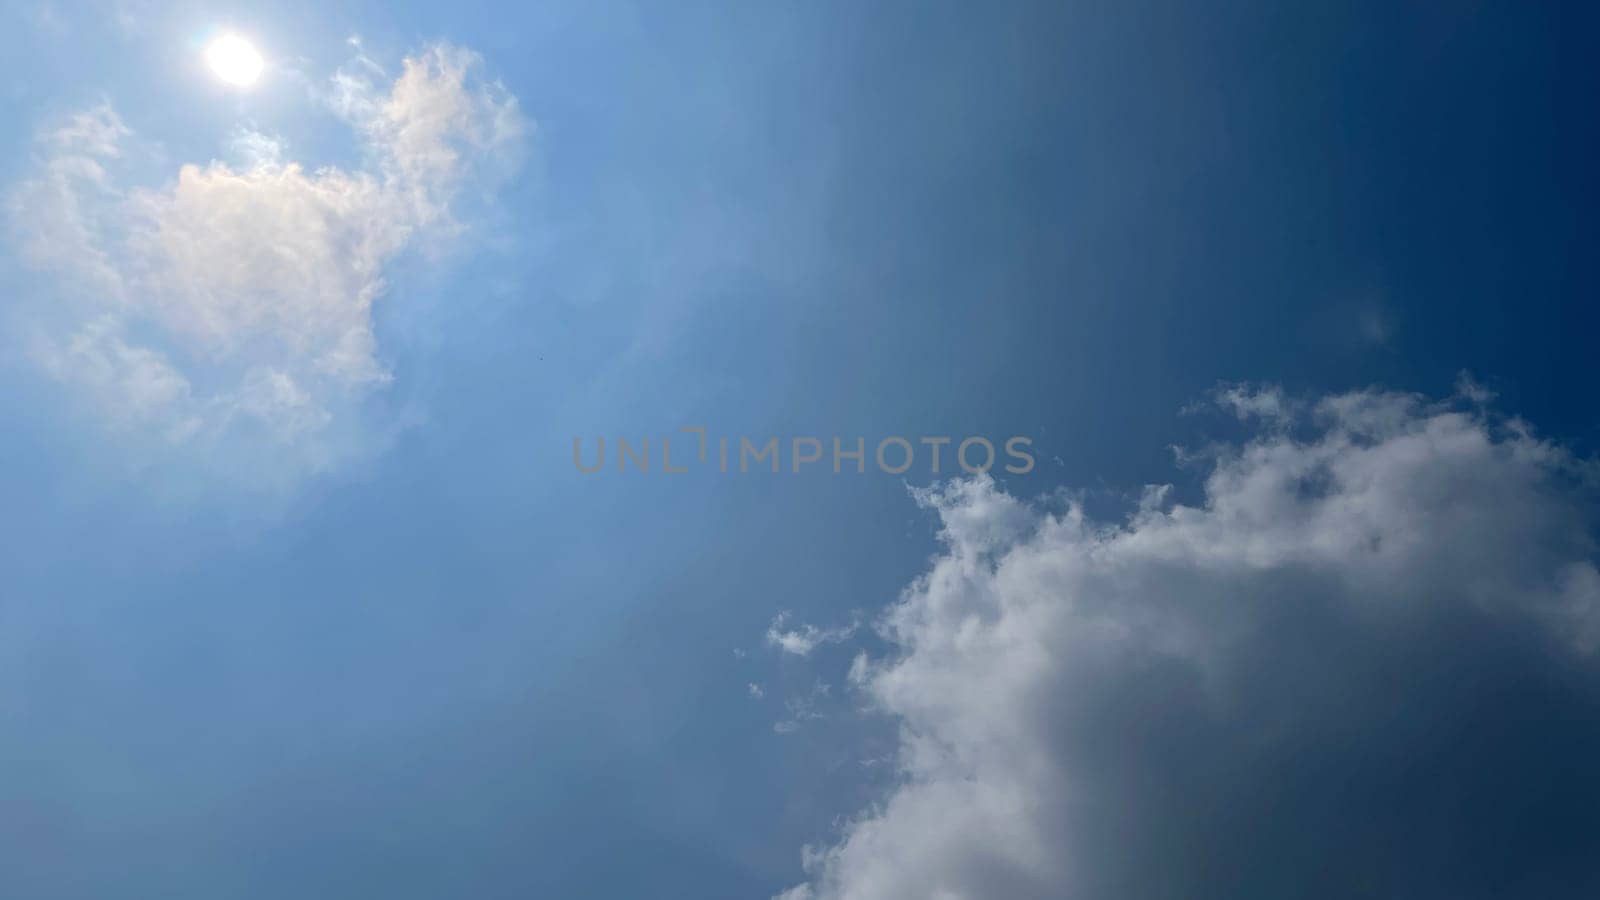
234,60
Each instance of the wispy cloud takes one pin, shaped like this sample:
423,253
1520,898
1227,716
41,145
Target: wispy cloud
802,638
803,708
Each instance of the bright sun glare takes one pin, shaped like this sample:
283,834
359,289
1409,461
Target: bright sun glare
234,60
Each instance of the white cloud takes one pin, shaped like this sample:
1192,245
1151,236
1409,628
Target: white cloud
1248,402
58,216
803,638
134,385
238,298
254,149
1469,389
434,126
94,132
1364,663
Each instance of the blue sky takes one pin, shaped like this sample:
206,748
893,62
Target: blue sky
409,651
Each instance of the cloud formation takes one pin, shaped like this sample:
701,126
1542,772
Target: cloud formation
237,301
802,638
803,708
1364,663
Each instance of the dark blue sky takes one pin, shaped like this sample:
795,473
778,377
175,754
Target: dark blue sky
461,667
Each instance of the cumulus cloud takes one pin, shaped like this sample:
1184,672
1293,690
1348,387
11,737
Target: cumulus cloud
237,299
1364,662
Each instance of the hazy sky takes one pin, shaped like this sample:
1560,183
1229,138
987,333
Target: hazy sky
302,595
